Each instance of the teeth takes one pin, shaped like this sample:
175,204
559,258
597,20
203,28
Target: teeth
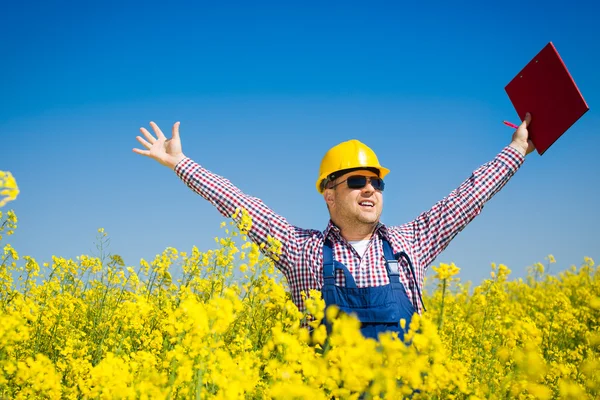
366,203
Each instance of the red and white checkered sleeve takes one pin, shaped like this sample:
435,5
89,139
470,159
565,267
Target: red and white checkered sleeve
433,230
227,198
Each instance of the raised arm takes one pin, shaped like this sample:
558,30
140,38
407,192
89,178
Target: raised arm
432,231
221,192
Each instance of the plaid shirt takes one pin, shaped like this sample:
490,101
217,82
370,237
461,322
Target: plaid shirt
301,260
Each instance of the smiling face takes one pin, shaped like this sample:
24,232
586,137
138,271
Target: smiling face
355,211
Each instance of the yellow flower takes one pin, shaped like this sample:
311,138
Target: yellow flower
8,188
445,271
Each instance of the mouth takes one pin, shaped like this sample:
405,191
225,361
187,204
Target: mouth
367,204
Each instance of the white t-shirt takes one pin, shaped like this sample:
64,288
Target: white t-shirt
360,246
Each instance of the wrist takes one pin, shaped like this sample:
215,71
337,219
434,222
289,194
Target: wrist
172,163
520,147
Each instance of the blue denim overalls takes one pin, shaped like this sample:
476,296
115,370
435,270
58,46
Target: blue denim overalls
380,308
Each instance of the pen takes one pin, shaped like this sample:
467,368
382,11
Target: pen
510,124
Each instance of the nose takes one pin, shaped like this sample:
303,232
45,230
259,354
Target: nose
369,186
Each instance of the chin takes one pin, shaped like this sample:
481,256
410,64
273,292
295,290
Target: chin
369,220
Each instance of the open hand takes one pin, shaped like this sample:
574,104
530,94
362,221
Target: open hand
165,151
520,139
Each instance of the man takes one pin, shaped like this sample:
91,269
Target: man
359,264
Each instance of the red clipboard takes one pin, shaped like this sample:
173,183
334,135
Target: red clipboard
546,89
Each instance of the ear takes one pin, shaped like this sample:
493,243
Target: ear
329,196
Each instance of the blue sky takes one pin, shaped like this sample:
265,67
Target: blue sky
262,90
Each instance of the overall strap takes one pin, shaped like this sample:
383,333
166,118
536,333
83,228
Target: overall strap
329,267
391,263
401,255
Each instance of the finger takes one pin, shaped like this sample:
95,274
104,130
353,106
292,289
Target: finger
523,124
157,130
176,130
143,142
142,152
148,135
527,120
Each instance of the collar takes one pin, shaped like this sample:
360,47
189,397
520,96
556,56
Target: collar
333,232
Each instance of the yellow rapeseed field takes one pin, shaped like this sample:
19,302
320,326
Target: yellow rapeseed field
96,328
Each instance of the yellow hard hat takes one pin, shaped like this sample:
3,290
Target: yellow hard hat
348,156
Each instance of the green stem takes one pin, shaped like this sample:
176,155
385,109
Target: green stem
441,316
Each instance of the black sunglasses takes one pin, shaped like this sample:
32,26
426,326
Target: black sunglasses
359,182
